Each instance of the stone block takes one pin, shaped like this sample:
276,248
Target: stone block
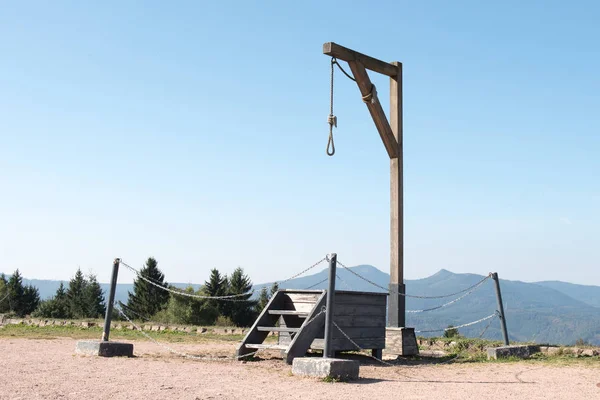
588,353
201,330
401,341
512,351
104,349
155,328
334,368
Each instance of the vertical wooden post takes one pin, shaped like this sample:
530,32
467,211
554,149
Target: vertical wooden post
397,303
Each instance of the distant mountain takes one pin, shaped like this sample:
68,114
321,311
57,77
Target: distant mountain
584,293
543,312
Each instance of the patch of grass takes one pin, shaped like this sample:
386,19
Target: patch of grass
95,332
468,350
331,379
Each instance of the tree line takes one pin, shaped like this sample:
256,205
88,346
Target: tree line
152,302
84,298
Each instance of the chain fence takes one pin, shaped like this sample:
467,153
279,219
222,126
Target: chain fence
461,326
230,298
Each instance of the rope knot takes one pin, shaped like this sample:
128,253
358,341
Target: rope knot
332,120
371,97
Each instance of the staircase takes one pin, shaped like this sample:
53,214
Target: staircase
294,315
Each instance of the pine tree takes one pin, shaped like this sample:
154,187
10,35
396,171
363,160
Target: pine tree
76,295
147,299
241,312
30,301
61,309
216,285
95,307
15,293
4,303
61,293
263,299
274,289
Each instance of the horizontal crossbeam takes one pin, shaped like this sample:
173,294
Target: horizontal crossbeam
343,53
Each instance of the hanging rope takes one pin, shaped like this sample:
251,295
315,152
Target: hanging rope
332,119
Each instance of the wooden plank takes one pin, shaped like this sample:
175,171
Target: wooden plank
314,325
276,329
345,345
377,113
343,309
343,53
318,291
360,320
360,300
305,307
397,304
302,297
354,292
288,312
360,332
265,346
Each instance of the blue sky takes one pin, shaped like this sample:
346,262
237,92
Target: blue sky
195,132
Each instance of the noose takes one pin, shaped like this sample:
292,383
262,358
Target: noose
332,119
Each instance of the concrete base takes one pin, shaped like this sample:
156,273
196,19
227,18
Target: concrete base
104,349
526,351
326,368
401,341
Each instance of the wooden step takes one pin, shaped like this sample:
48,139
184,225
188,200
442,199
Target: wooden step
276,329
302,314
266,346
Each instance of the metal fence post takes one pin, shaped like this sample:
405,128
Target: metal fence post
500,308
328,349
111,300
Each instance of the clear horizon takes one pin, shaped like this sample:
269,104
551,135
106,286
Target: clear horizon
195,133
129,276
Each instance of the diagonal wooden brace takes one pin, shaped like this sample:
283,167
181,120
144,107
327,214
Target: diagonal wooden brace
374,106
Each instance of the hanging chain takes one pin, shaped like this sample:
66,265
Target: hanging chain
332,119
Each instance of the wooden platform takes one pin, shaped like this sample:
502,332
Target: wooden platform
298,318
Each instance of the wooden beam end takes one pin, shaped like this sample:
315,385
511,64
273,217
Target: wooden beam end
327,47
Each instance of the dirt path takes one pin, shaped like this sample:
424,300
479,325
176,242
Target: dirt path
49,369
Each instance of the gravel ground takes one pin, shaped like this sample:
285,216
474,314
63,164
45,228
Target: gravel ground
50,369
